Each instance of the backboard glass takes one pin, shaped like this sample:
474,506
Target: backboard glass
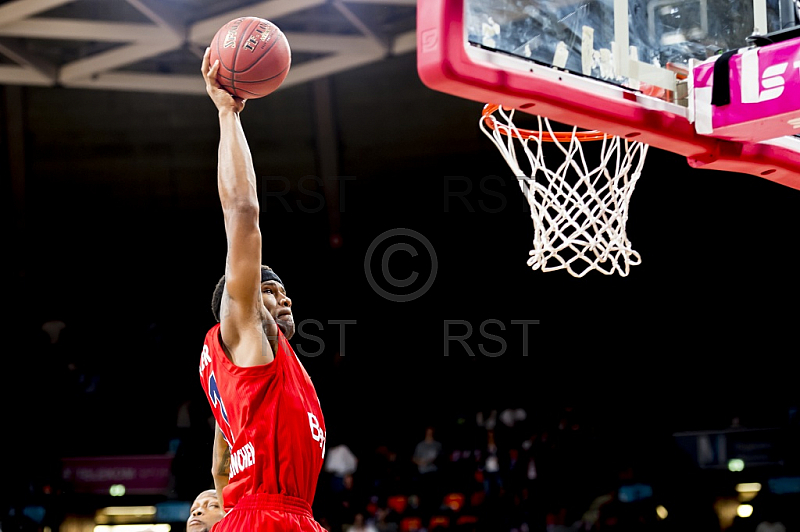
646,70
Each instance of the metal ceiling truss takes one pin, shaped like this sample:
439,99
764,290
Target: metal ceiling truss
132,42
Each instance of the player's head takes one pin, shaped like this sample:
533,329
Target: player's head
205,512
273,295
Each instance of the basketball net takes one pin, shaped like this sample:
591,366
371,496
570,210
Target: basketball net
579,211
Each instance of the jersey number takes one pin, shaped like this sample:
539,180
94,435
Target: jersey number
216,402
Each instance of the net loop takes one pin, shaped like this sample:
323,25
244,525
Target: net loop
579,211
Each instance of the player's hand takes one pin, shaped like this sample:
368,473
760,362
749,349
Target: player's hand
223,99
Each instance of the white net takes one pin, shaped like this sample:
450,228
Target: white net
579,211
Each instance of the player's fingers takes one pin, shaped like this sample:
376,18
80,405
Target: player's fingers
204,67
211,77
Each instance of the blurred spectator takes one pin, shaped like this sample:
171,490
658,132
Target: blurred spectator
345,504
492,481
360,525
393,511
487,422
426,456
414,508
205,512
510,429
768,526
514,471
339,463
769,513
53,330
387,478
513,416
427,452
383,523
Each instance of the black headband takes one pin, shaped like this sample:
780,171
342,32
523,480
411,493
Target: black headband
269,275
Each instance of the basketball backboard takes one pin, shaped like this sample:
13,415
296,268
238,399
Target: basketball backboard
716,81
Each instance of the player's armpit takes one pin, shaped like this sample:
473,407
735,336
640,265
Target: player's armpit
220,464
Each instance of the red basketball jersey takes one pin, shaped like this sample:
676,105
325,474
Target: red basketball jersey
270,417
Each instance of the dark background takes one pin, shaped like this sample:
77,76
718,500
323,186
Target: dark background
120,236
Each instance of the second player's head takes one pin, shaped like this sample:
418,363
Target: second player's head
273,296
205,512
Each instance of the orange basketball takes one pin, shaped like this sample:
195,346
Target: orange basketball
254,57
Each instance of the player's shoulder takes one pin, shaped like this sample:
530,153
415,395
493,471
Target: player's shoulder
284,347
213,332
212,338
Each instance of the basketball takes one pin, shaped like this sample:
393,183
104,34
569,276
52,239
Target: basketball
254,57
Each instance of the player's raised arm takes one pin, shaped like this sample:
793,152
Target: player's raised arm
242,311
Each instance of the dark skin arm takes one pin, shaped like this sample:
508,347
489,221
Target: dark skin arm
220,464
249,333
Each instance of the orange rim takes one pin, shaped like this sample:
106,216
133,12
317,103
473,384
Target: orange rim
557,136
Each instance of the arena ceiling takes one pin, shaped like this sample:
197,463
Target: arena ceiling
156,45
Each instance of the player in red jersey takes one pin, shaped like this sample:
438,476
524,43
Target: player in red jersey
270,435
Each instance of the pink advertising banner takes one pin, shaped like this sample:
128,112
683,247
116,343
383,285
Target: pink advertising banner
147,474
764,94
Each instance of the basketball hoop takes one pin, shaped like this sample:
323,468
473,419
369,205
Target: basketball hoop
546,136
579,212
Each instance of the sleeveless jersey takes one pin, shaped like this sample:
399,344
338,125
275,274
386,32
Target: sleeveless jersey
271,418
